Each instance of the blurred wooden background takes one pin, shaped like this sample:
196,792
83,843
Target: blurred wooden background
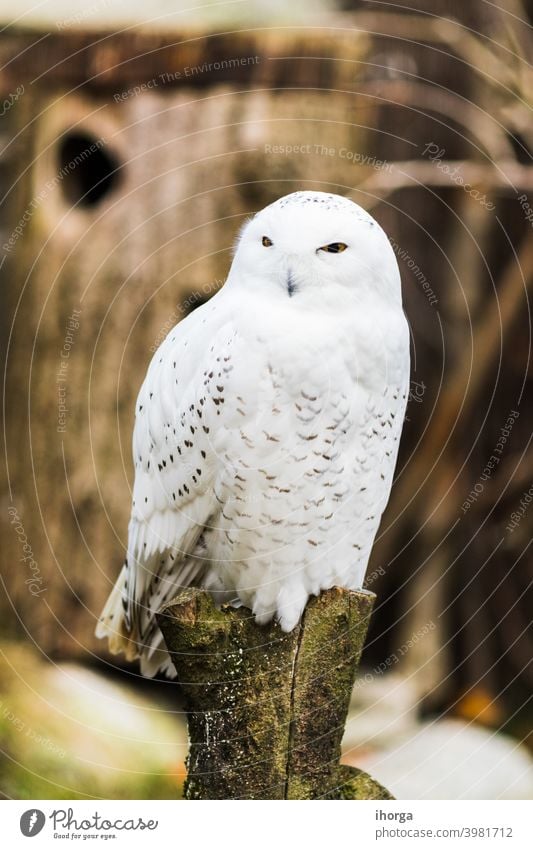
128,163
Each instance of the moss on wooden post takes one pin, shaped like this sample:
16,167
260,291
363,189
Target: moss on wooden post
266,710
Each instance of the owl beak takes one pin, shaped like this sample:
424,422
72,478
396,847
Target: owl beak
291,285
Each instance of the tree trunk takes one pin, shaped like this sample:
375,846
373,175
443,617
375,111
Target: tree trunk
266,710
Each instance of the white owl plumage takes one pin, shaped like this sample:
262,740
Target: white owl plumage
267,427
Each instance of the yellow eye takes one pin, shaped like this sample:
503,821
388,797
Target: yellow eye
267,243
334,248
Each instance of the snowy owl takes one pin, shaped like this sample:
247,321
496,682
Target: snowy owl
267,427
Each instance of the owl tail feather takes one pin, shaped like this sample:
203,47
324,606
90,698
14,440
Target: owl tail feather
128,618
154,656
112,622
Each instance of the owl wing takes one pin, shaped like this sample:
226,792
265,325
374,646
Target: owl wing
177,415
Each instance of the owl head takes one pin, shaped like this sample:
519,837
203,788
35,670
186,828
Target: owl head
315,248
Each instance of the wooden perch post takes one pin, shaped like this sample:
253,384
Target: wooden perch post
266,710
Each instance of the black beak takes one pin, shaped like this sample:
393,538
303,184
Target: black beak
291,285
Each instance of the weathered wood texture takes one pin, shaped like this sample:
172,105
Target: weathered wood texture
266,710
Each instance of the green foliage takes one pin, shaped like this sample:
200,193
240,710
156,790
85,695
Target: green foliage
67,732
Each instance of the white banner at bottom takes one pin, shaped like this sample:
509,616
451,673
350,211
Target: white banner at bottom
412,824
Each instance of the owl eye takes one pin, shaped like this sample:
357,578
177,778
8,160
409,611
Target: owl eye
267,243
334,248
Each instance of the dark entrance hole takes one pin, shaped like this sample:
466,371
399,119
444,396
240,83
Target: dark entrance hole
88,169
